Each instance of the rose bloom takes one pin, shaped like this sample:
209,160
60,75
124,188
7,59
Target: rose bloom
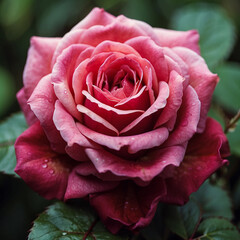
117,114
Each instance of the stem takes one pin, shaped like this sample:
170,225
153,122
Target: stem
90,229
232,123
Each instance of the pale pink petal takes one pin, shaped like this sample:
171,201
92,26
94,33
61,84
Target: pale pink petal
96,17
174,101
62,77
110,46
187,118
76,142
38,62
44,170
205,153
171,38
42,103
134,144
28,113
201,79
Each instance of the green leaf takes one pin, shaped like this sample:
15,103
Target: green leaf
234,140
214,201
9,131
215,28
218,229
228,88
183,220
7,90
61,222
216,113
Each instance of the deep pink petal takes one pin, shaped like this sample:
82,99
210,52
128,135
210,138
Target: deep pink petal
44,170
187,118
66,125
38,62
148,49
28,113
128,204
201,79
204,156
42,103
160,103
109,113
81,185
171,38
96,122
134,144
142,169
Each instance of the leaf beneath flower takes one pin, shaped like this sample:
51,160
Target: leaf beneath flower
62,221
9,131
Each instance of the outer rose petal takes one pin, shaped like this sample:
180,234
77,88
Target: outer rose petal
128,204
45,171
81,185
203,157
171,38
28,113
201,79
96,17
42,103
38,62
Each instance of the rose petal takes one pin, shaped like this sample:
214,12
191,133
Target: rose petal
80,186
171,38
135,143
45,171
38,62
109,113
153,53
96,17
62,77
95,122
76,142
158,104
174,101
204,156
143,169
42,103
201,79
187,118
128,205
28,113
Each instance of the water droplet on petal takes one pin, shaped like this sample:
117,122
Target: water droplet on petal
193,104
44,165
65,91
97,159
46,160
164,161
52,172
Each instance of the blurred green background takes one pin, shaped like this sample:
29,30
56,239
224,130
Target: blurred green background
217,20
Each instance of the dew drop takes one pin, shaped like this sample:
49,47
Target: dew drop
44,165
97,159
64,233
46,160
65,91
163,161
52,172
193,104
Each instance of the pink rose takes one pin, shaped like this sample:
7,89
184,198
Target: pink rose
117,114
